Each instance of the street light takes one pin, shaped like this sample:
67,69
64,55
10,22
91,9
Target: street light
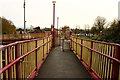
53,32
57,25
53,2
53,13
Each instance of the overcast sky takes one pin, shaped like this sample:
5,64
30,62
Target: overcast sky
70,12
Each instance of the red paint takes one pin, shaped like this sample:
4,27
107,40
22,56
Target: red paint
99,41
81,49
91,54
36,54
17,55
17,51
19,42
10,37
43,49
62,44
9,60
115,73
107,56
116,58
91,72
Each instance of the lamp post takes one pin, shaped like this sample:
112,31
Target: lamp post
24,19
53,31
57,31
54,12
57,25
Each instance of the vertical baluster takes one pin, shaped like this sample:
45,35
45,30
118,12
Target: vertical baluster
47,45
9,60
76,46
62,44
43,49
81,49
115,72
36,55
1,62
91,54
17,54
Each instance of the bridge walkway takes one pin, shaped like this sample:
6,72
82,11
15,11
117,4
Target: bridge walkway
62,64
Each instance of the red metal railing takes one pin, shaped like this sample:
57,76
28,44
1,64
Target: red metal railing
23,59
13,37
101,59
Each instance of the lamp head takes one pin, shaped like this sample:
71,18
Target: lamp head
53,2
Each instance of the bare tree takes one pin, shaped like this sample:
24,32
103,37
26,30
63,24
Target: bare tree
99,24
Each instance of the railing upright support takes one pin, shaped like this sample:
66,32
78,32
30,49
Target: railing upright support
47,46
17,54
115,72
9,60
81,49
43,49
91,54
53,36
73,44
70,43
76,46
36,55
62,44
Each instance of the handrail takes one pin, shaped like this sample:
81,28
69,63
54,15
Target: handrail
21,54
21,57
99,52
115,44
18,37
101,59
15,43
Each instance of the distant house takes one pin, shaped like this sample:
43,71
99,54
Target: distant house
37,30
19,31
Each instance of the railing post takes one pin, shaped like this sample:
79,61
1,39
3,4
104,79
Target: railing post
53,35
70,43
73,44
76,46
81,49
91,54
43,49
17,54
36,55
9,60
115,72
1,75
50,42
47,44
63,44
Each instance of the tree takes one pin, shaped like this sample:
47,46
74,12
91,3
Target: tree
99,24
37,30
87,30
111,34
46,29
93,30
7,26
65,28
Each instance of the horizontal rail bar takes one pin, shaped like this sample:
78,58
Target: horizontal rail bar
15,43
115,44
100,58
21,57
99,52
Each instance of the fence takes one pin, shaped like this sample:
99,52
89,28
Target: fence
22,36
101,59
23,59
